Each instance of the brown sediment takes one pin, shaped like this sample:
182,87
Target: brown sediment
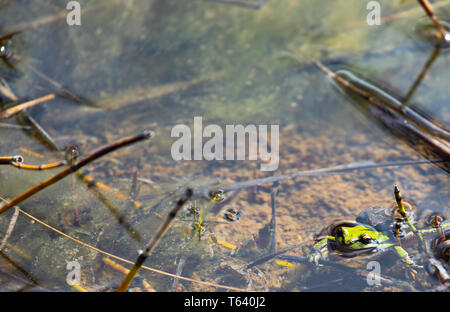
201,282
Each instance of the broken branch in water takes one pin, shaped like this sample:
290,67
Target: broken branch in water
18,108
7,92
77,241
442,32
88,159
17,161
152,244
422,75
13,126
11,225
92,185
417,130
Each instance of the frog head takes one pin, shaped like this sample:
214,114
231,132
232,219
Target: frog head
353,238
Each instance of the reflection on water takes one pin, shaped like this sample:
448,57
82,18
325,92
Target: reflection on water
134,65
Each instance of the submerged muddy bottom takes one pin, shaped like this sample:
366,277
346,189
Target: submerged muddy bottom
157,65
304,206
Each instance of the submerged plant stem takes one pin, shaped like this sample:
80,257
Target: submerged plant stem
152,244
18,108
119,258
442,33
88,159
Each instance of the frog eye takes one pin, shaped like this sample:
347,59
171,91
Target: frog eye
218,195
232,215
365,238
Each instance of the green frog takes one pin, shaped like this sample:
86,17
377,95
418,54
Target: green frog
376,230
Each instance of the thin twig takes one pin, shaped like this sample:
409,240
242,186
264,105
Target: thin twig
411,12
18,108
13,126
386,110
441,30
93,187
88,159
7,92
19,268
11,225
37,127
154,242
339,169
116,266
122,259
419,78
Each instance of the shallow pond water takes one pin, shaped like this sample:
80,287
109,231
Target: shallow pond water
135,65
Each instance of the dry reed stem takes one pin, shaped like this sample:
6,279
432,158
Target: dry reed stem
209,284
18,108
154,242
88,159
429,10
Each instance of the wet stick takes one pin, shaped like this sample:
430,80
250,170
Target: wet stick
15,127
7,92
152,244
6,160
92,185
116,266
209,284
18,108
23,166
422,75
11,225
37,127
17,161
5,54
83,162
427,138
442,33
90,182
